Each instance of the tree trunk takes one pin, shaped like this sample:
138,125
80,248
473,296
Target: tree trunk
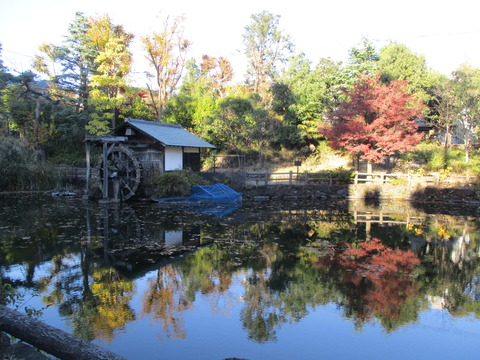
369,166
52,340
36,122
446,148
152,98
467,147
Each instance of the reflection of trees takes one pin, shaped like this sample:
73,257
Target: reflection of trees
166,300
112,294
262,314
95,311
279,286
288,267
452,267
378,282
371,280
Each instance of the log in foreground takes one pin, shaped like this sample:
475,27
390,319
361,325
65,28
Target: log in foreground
52,340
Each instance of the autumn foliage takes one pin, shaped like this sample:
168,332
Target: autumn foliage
378,280
378,121
372,259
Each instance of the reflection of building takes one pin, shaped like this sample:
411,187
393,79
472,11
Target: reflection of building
130,243
173,238
460,249
438,302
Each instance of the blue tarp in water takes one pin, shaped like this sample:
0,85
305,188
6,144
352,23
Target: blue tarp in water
218,193
217,199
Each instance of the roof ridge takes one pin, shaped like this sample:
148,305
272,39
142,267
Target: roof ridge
154,123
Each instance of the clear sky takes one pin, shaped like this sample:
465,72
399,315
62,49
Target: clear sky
447,33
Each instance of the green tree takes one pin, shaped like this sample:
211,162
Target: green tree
467,83
193,103
230,123
447,109
363,60
70,65
265,47
5,78
397,62
314,93
69,68
25,99
114,60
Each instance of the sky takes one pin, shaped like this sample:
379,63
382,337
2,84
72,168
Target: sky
446,33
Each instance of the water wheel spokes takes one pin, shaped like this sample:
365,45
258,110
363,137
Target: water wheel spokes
123,173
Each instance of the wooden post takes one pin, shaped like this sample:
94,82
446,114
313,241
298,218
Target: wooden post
105,170
52,340
88,171
290,178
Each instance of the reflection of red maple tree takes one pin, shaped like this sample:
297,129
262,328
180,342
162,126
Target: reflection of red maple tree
384,276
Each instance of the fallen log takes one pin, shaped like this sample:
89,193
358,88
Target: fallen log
50,339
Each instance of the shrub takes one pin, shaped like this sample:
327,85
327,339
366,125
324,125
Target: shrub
20,168
176,183
340,176
432,157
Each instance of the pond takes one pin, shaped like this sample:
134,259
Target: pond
265,280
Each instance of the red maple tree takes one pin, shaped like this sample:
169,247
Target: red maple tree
378,121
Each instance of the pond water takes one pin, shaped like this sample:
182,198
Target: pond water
262,281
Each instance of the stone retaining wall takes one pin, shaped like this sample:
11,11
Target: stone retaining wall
292,192
360,191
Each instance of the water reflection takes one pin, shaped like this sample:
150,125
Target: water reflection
386,265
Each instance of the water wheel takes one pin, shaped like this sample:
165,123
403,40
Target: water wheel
123,173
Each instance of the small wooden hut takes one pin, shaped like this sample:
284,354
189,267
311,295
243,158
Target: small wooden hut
137,150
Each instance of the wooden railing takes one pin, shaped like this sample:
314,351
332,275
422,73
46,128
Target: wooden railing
303,178
292,178
409,179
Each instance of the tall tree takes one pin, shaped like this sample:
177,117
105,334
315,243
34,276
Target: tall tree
364,59
316,92
25,98
113,65
70,65
218,72
265,47
467,83
397,62
5,78
166,52
447,109
194,102
376,122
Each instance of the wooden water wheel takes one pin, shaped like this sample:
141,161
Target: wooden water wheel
122,172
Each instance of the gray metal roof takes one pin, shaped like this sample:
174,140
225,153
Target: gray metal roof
168,134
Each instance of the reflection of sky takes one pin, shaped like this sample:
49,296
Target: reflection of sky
217,333
213,328
213,324
16,272
323,334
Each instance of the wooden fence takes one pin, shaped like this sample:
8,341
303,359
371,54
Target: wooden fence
330,178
